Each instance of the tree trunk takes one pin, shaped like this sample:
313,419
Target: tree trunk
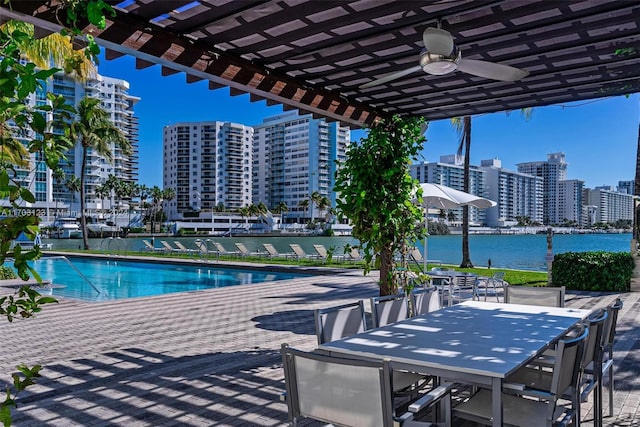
83,219
466,258
387,285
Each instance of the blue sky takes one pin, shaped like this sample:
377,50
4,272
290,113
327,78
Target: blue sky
599,137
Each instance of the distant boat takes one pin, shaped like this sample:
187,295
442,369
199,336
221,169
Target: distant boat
26,243
66,228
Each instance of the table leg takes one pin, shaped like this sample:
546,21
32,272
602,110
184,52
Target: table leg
496,399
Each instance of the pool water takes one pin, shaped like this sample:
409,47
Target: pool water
101,279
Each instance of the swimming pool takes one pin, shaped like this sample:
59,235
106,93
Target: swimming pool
98,279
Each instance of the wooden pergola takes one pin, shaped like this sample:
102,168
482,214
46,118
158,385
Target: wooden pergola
316,55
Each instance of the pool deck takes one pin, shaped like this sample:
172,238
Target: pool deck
211,357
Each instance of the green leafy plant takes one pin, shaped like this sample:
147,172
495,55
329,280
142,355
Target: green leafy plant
377,194
593,271
7,273
21,380
27,129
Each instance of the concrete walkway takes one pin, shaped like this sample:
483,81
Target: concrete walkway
209,357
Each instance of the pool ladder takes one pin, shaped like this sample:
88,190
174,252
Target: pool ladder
78,272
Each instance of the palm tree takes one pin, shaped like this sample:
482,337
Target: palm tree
463,125
102,192
95,131
304,204
73,185
54,50
58,178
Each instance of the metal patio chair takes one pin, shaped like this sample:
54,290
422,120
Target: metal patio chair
545,295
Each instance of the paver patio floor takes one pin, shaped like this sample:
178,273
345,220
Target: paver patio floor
210,357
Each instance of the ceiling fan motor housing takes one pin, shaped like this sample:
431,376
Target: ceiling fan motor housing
433,63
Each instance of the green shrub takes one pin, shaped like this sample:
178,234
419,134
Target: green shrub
7,273
593,271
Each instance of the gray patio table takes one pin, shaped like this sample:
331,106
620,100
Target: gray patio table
474,342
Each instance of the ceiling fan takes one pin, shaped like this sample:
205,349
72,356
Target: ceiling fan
441,56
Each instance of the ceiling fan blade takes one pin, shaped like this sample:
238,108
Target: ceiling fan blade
438,41
392,76
490,70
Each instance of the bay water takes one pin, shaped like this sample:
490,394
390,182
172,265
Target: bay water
524,252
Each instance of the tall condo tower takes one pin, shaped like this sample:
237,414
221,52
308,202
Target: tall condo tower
208,164
295,156
552,171
450,172
115,99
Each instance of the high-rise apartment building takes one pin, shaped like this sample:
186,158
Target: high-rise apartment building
570,201
115,99
450,172
208,164
295,156
518,195
552,171
611,206
626,186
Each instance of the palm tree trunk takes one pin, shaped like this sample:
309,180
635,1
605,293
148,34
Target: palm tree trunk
83,219
466,258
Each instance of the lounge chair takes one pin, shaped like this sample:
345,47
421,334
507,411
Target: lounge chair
324,254
182,248
272,252
167,247
246,252
416,255
149,247
223,251
300,253
354,255
203,249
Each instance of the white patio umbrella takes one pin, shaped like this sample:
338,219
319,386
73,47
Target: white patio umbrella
443,197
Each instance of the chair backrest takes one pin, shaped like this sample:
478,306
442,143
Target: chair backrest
416,254
271,250
335,390
354,254
202,246
322,251
498,276
166,245
425,301
609,332
242,248
593,345
220,248
569,352
180,246
389,309
341,321
297,250
147,244
547,296
465,281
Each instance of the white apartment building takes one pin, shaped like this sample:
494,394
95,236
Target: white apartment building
295,156
611,206
449,171
570,202
208,164
52,196
552,171
517,194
